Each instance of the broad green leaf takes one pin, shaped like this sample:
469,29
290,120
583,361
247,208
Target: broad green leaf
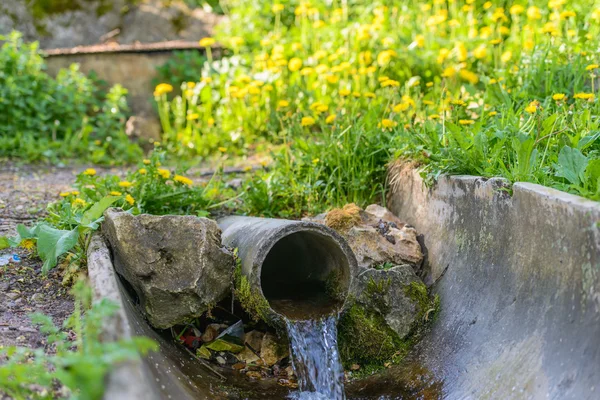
592,174
588,140
95,212
571,165
27,233
4,242
53,243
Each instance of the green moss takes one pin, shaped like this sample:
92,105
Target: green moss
250,299
364,338
333,285
428,307
376,291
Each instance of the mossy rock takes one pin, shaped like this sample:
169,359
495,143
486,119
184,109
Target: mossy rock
391,311
364,338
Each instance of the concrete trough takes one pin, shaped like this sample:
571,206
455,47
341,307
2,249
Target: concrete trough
517,270
519,280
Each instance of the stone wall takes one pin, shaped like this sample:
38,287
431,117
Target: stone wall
518,271
134,71
70,23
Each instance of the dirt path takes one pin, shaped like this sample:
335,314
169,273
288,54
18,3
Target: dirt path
24,193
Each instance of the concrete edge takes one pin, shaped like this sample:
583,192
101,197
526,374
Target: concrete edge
127,381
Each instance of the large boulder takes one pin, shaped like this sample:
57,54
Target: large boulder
176,264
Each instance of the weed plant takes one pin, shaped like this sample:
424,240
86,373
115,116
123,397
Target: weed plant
465,87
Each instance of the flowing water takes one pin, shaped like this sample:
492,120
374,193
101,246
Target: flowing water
316,359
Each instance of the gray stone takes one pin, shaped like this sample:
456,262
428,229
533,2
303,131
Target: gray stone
378,213
386,291
253,342
154,21
37,297
273,349
176,264
12,295
396,246
210,333
375,235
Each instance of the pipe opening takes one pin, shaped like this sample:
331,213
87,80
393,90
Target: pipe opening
305,275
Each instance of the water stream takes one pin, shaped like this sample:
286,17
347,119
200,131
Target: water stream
316,359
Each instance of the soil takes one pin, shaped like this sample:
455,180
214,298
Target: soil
25,190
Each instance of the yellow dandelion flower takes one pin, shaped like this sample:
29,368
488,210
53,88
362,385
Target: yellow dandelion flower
517,9
64,194
165,173
401,107
75,192
162,88
480,52
142,171
130,199
27,244
532,107
125,184
333,79
78,203
206,42
466,122
307,121
115,193
344,92
584,96
330,119
591,67
388,123
89,172
321,108
534,13
146,161
222,149
183,180
390,83
449,72
192,116
558,96
283,103
469,76
277,8
295,64
369,95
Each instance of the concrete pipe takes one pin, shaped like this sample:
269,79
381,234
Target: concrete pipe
302,269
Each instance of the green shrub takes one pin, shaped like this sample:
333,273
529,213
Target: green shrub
64,117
